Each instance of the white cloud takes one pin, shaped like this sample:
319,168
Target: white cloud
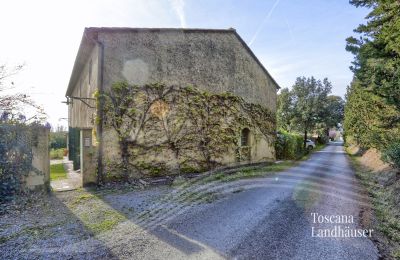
178,6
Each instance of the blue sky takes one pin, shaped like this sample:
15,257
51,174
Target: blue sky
300,38
290,37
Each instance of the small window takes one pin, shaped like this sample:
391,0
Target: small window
245,137
90,71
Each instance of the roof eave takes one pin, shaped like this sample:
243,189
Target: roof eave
85,47
255,58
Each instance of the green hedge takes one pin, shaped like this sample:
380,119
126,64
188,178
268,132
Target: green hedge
289,146
391,155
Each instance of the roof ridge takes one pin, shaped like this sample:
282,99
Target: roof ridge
157,29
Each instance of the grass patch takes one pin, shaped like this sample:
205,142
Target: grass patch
83,197
244,173
96,215
102,220
57,172
278,167
252,172
386,210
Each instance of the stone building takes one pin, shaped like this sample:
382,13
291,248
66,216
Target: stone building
217,62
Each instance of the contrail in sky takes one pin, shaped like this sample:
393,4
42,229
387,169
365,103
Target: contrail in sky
178,6
263,22
290,30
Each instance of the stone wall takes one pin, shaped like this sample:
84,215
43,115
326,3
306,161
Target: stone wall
215,61
88,158
39,177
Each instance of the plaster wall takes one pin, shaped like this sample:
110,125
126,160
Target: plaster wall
212,61
79,114
39,177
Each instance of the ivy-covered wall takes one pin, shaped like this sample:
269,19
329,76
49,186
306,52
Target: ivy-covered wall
155,130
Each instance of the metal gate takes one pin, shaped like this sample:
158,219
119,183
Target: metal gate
74,154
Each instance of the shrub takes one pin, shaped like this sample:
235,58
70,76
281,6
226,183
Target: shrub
289,146
58,140
391,155
322,139
57,153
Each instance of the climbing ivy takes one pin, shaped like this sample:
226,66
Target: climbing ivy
194,129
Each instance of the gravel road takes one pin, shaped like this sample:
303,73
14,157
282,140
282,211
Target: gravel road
263,218
272,218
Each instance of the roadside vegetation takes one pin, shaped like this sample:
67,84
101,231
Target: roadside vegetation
252,172
384,193
57,172
372,114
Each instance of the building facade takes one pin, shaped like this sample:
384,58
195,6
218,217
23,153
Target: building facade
213,62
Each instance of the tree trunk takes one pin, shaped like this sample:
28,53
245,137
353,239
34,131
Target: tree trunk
305,138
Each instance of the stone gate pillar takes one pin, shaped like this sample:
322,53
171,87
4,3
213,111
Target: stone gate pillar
88,165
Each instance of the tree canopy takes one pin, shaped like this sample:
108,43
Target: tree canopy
307,104
12,103
372,114
377,49
369,119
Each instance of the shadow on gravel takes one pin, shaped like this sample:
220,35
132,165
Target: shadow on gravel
48,229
